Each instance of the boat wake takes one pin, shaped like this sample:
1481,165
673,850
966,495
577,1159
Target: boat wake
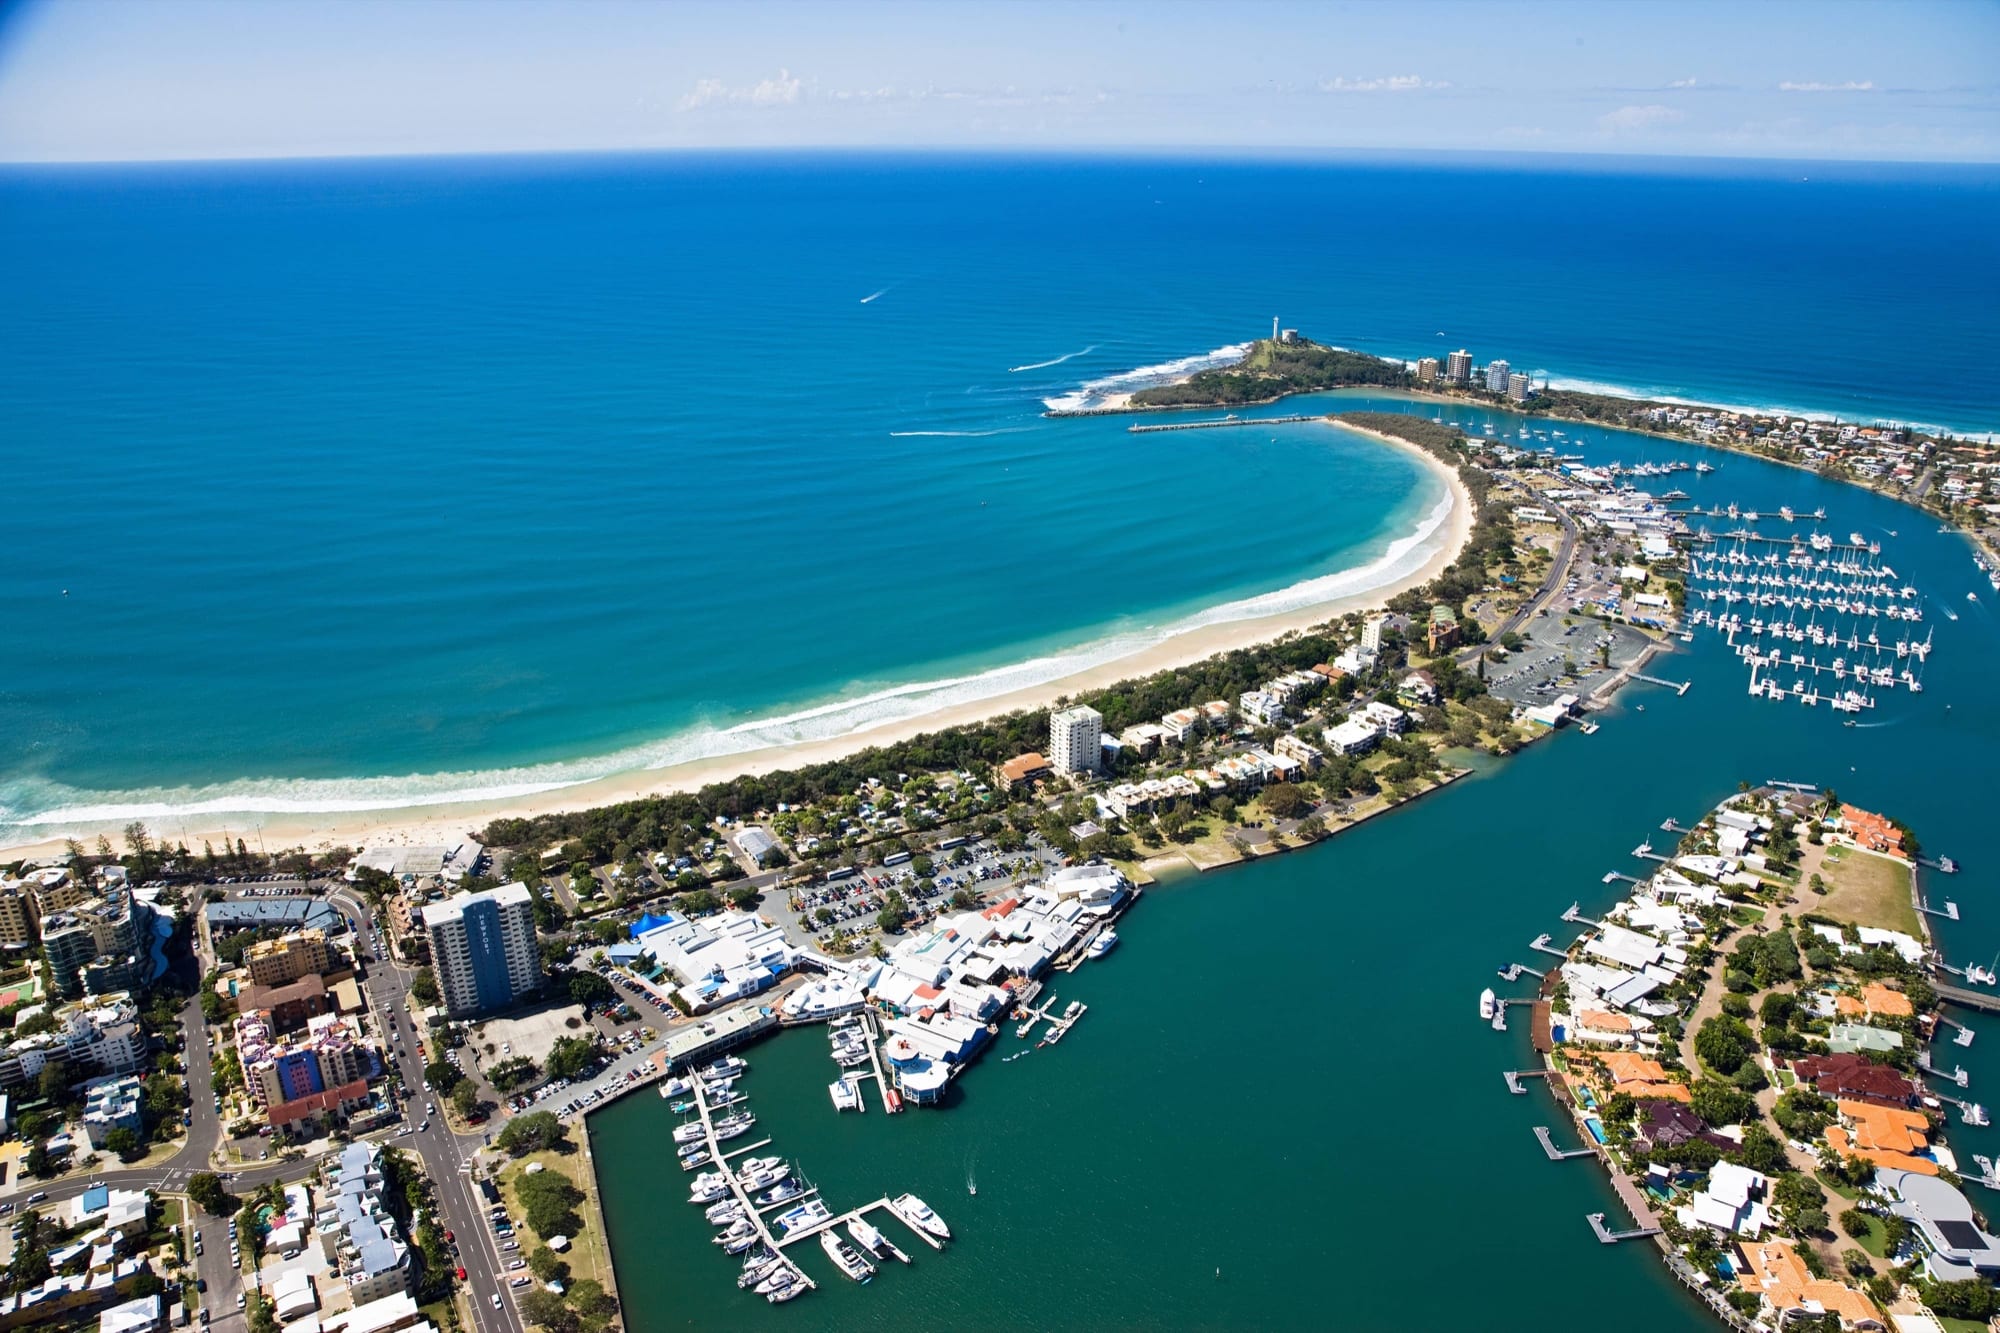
39,808
1093,393
959,434
873,295
1044,365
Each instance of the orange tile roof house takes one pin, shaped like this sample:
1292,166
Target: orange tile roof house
1872,831
1775,1272
1886,1136
1875,1000
1023,768
1639,1076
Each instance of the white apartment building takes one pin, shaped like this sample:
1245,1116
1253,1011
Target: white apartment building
1076,740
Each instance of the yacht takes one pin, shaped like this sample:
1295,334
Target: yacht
738,1244
845,1096
740,1227
759,1267
777,1281
1704,467
919,1215
699,1157
691,1132
726,1211
735,1131
673,1087
807,1214
787,1293
783,1190
1106,941
874,1242
763,1177
728,1066
845,1256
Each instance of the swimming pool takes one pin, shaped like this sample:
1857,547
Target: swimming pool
1595,1126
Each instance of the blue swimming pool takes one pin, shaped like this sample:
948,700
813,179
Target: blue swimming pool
1595,1126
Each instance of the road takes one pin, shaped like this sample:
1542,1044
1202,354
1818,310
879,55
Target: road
1558,575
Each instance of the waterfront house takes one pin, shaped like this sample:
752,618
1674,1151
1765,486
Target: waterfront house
1732,1202
1955,1246
1847,1038
1668,1124
1871,831
1636,1075
1886,1137
1774,1272
1855,1078
1875,1001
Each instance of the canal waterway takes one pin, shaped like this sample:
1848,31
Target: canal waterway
1282,1109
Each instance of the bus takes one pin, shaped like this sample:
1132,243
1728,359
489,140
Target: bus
952,844
896,859
841,872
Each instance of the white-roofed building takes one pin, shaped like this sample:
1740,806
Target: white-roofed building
720,958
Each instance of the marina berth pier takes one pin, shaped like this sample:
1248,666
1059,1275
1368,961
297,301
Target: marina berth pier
1614,876
735,1184
1559,1154
1609,1237
1957,1075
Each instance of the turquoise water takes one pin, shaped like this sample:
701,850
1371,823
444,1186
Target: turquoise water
1283,1074
344,485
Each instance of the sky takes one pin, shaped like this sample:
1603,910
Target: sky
92,80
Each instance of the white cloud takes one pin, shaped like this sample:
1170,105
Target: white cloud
1638,119
779,91
1851,86
1394,83
1682,83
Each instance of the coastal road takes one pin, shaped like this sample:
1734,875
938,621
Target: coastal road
1558,573
445,1155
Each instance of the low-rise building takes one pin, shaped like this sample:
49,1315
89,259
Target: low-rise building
284,960
112,1103
358,1233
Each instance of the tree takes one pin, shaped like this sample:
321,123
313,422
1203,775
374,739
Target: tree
1856,1223
205,1188
591,1300
263,1318
465,1098
590,989
546,1309
123,1142
568,1056
1719,1103
547,1265
443,1076
424,987
1723,1043
1284,800
533,1132
550,1201
36,1160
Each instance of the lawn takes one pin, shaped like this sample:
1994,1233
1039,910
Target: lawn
1868,890
588,1255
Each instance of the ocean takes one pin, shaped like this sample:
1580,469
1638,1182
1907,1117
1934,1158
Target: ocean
1282,1109
344,485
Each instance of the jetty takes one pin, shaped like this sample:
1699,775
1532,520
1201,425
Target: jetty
1957,1075
1575,917
840,1219
1609,1237
1559,1154
1514,971
736,1187
891,1103
1644,851
1513,1078
1949,911
1224,422
1964,1037
1059,1028
1614,876
1034,1016
1541,944
1679,687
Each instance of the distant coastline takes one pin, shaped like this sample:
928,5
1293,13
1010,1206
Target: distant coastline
1441,536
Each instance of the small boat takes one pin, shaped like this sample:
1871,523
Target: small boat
1106,941
787,1293
673,1087
807,1214
919,1215
845,1096
1487,1000
845,1257
697,1158
726,1211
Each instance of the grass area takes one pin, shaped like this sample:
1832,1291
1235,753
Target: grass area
1868,890
1847,1192
1873,1240
1746,916
588,1255
1963,1325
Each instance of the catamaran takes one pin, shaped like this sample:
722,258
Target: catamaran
846,1097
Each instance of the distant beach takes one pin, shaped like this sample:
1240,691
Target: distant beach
1440,538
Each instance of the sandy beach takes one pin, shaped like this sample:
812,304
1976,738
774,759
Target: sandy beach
429,825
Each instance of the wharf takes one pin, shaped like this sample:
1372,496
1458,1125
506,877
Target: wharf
1964,1037
1225,422
1059,1028
1614,876
1034,1016
1957,1075
1559,1154
827,1224
890,1103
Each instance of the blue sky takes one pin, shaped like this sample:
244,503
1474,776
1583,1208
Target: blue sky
96,80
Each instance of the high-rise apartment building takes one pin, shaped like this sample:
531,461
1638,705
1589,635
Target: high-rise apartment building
1458,367
483,948
1496,376
1076,740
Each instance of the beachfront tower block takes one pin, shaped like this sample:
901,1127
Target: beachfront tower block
483,949
1076,740
1497,372
1458,367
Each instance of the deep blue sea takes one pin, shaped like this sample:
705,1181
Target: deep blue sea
346,484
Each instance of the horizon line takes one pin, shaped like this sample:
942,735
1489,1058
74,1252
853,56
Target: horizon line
1189,152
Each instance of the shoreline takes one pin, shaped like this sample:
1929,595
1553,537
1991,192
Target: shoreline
449,823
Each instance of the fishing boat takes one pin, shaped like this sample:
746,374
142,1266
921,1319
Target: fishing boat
919,1215
846,1097
845,1257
